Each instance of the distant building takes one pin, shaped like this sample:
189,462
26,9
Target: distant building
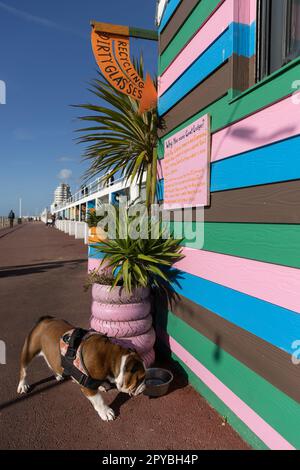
61,195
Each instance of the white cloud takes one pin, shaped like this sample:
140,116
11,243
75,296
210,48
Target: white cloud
65,174
65,159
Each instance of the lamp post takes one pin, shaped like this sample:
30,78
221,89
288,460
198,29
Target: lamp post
20,211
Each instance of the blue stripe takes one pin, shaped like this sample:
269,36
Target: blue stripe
244,38
94,253
235,39
160,188
91,204
274,324
270,164
169,10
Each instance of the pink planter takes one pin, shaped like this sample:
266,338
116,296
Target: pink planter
120,312
143,344
118,295
123,329
125,318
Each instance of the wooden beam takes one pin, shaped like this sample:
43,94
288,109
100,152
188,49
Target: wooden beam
110,28
125,30
150,34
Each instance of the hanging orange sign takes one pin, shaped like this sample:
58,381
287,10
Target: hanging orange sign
112,53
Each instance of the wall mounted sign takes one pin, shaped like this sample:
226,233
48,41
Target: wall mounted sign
186,166
111,49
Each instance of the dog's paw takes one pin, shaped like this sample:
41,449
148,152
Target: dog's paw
23,387
59,377
105,387
106,413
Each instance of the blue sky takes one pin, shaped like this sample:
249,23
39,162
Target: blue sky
46,62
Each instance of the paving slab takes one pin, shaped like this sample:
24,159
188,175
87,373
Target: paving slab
42,271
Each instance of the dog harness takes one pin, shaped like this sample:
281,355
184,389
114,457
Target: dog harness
72,360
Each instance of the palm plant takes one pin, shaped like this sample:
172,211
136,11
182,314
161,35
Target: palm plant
92,218
122,140
144,261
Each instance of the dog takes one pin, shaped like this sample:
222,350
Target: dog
103,360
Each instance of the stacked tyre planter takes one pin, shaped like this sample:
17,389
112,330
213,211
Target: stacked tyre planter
125,318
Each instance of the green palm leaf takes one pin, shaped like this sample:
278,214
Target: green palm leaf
122,141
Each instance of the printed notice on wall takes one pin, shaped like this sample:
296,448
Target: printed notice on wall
186,166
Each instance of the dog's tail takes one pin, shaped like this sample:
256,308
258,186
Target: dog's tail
44,317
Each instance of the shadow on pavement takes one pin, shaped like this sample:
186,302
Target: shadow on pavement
11,231
32,393
118,402
36,268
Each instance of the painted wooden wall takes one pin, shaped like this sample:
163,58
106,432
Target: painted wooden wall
238,312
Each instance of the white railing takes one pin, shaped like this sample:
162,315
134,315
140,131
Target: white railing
5,222
79,230
92,188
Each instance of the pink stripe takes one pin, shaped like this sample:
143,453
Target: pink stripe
205,36
276,284
257,130
254,422
262,128
253,10
241,11
93,263
245,11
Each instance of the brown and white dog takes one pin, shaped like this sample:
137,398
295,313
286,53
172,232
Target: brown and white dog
103,361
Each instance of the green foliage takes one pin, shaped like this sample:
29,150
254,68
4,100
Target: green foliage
141,262
120,140
92,218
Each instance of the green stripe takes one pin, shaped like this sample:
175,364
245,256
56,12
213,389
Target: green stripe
271,243
143,33
277,409
215,109
187,30
223,112
217,404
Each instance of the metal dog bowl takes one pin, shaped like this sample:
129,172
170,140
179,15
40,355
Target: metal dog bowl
157,381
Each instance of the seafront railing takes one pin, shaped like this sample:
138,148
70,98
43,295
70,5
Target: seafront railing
4,222
92,188
79,230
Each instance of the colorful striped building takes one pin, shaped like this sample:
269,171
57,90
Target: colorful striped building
235,328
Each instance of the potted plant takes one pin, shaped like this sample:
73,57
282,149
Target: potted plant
96,234
121,292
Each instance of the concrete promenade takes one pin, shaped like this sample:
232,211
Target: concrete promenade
42,271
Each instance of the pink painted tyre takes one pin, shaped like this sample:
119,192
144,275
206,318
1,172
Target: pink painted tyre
123,329
148,358
120,312
118,295
142,343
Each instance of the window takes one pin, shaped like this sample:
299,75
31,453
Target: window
278,34
293,37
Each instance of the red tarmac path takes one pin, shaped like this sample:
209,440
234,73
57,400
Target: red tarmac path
42,272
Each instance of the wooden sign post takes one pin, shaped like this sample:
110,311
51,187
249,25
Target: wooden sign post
111,49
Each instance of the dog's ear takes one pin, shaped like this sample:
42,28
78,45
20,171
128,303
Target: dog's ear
135,365
132,350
